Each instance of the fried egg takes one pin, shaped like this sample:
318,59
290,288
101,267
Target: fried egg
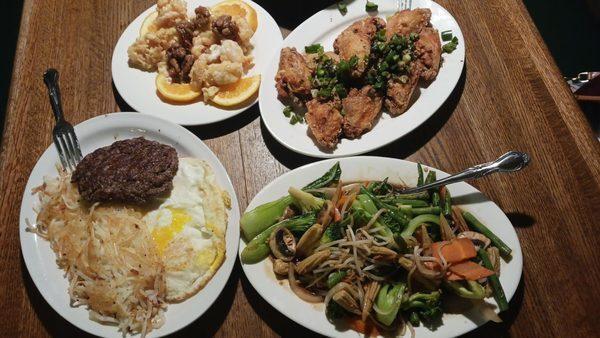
188,229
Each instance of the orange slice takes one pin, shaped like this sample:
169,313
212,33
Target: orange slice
237,8
236,93
178,92
148,24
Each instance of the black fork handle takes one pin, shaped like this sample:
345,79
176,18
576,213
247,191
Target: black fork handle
51,81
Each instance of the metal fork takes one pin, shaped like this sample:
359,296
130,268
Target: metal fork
404,4
509,162
63,133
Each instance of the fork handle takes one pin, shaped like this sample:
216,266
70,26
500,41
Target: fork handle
51,81
510,162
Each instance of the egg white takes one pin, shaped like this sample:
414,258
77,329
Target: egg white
188,229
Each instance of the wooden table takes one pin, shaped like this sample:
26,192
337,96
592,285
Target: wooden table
511,96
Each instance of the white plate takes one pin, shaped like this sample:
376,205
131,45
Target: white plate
312,316
98,132
323,28
137,87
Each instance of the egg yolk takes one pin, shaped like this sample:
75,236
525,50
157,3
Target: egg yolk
162,236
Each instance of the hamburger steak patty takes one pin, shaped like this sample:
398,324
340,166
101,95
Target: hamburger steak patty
135,170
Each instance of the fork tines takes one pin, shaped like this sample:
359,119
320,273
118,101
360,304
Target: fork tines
67,145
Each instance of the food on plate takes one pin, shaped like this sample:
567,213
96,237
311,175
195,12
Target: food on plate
355,41
325,121
360,107
238,8
196,55
135,228
381,261
293,77
134,170
236,93
179,92
375,65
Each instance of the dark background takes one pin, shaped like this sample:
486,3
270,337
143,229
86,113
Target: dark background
571,30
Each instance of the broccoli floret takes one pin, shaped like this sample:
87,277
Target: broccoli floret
335,311
305,201
426,305
333,232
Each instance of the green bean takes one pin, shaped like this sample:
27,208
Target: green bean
420,171
435,199
447,204
476,225
435,195
499,295
412,203
391,210
423,195
426,210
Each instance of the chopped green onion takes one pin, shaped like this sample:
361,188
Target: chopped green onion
287,111
450,46
294,119
316,48
447,35
371,6
342,7
406,57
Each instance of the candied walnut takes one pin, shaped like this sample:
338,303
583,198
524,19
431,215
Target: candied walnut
226,28
202,19
179,63
186,34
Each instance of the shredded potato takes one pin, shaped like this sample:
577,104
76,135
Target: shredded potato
108,255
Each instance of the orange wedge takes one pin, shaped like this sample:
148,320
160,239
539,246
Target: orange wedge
178,92
236,93
148,24
237,8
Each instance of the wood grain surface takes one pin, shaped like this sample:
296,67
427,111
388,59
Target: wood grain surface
510,96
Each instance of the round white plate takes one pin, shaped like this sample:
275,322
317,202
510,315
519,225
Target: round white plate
102,131
312,316
323,28
137,87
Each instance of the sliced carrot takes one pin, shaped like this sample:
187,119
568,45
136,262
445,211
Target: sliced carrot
469,270
454,251
451,276
367,328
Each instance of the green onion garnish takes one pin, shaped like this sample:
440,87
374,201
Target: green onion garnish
342,7
450,46
287,111
447,35
371,6
316,48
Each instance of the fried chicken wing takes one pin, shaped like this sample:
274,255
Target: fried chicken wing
325,122
398,94
293,77
312,59
429,51
361,107
407,21
356,41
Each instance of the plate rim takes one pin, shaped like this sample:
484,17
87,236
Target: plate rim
517,254
233,112
324,155
227,265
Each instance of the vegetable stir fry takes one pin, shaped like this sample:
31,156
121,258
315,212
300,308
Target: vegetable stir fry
381,260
